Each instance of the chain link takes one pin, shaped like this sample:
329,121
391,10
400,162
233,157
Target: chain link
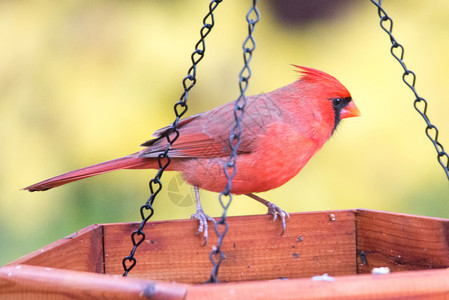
180,108
409,78
230,169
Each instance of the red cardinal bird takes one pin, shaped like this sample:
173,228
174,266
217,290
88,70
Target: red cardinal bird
282,130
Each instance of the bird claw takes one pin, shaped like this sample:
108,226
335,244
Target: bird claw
276,211
203,227
273,209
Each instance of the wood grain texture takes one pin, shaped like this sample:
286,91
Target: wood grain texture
38,283
256,257
312,244
431,284
80,251
401,242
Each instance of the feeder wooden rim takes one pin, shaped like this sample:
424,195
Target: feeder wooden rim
171,264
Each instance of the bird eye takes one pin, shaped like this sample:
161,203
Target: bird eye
336,102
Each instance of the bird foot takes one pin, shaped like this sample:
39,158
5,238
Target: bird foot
276,211
273,209
204,227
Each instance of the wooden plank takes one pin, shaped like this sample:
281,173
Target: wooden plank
80,251
313,244
30,282
401,242
429,284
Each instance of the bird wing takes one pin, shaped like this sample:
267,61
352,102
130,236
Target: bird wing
207,134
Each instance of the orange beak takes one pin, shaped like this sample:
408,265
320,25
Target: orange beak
350,111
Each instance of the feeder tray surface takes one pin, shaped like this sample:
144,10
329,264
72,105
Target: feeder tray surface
259,264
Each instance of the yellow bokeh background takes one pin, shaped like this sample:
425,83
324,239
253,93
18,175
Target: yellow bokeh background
86,81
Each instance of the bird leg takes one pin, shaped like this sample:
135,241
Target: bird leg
201,217
273,209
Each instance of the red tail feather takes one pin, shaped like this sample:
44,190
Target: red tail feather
127,162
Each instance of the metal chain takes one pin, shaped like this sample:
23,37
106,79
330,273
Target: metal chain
230,169
180,108
409,78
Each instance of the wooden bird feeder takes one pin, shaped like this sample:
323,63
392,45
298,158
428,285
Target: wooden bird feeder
172,264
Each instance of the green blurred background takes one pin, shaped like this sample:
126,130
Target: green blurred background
86,81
